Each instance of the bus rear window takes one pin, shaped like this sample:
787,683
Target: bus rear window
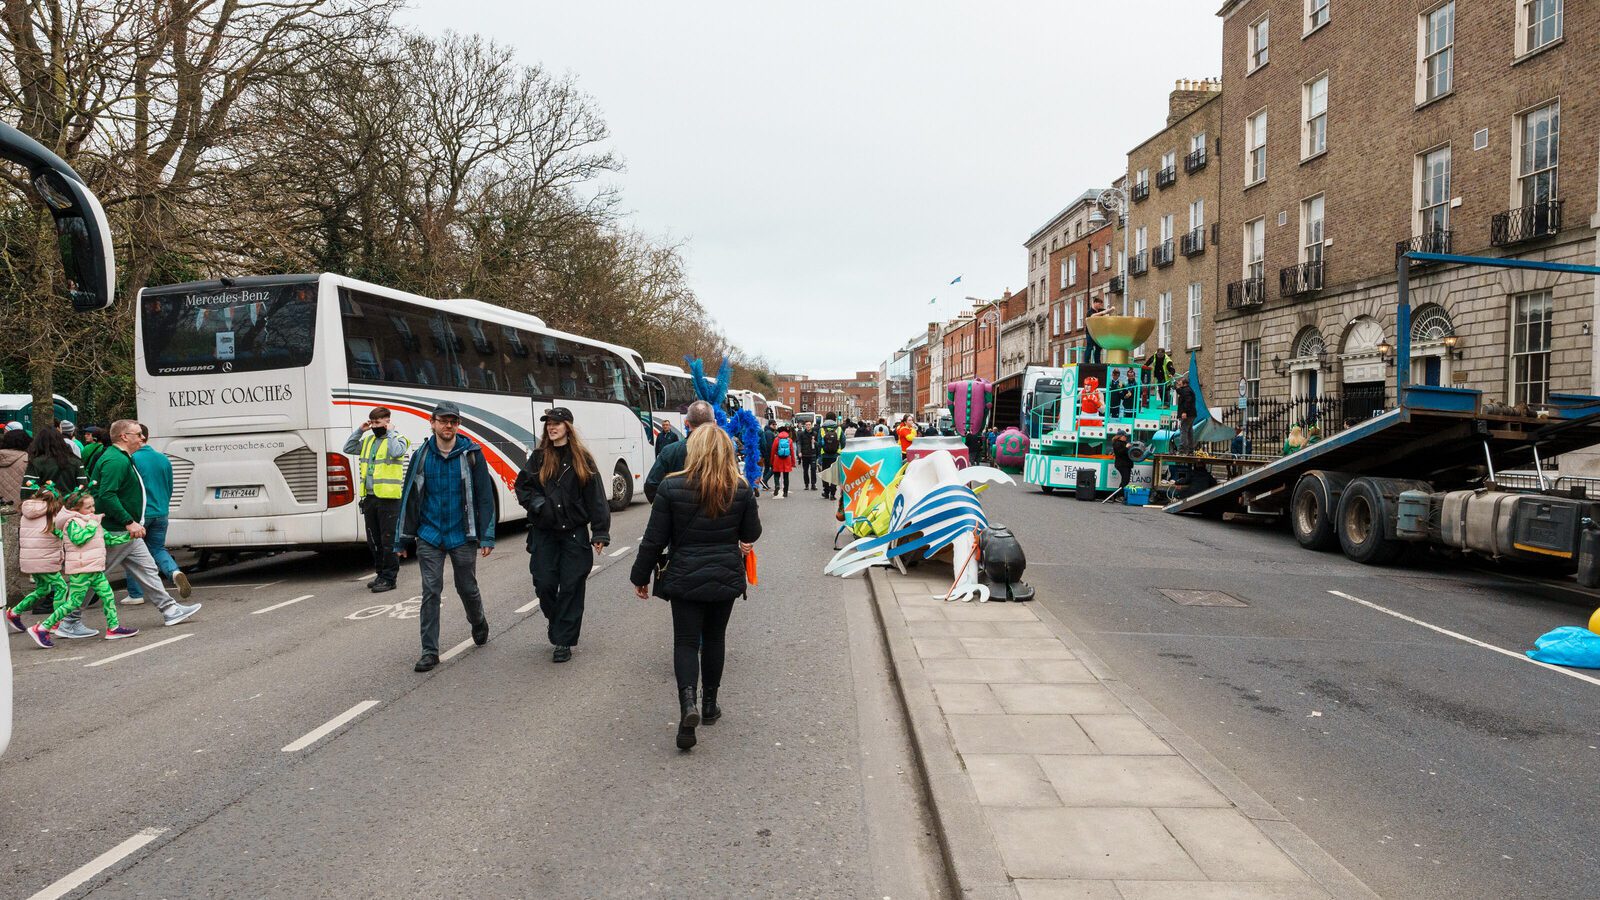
247,329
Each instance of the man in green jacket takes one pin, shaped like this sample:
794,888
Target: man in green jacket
119,494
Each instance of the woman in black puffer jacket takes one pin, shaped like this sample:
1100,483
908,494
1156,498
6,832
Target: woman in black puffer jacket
703,520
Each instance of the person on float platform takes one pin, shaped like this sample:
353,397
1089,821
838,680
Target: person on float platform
382,454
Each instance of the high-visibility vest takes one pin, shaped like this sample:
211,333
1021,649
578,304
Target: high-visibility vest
380,476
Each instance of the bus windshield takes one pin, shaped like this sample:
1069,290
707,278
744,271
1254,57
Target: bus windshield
242,329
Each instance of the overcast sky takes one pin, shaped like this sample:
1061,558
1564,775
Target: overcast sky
833,165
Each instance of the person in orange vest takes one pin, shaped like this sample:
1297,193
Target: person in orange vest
905,432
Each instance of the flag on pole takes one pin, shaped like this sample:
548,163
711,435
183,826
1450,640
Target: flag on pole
933,301
956,280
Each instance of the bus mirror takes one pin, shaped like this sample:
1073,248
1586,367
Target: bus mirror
83,239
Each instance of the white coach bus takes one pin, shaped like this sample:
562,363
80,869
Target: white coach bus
251,386
674,388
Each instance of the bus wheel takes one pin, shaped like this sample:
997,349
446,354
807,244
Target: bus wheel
621,488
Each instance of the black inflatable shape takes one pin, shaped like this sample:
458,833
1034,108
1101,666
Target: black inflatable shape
1004,562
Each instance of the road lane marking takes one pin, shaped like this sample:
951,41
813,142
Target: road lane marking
455,651
267,609
81,875
368,577
1470,640
619,551
325,729
594,570
112,659
267,585
527,606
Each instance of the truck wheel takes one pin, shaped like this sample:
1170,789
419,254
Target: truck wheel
1362,512
621,488
1310,516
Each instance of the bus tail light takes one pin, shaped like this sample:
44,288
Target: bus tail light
341,485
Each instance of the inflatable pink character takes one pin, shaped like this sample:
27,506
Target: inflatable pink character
1010,447
970,402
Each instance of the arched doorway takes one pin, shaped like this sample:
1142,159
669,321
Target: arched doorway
1363,370
1432,335
1310,353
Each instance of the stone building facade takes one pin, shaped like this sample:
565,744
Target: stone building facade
1355,129
1174,188
1064,227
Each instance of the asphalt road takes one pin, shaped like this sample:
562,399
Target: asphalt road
1429,766
498,774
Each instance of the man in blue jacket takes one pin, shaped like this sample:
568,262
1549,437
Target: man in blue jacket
447,508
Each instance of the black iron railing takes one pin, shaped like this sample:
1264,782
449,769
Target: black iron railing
1427,242
1167,177
1119,284
1248,292
1163,254
1140,263
1265,423
1193,243
1526,223
1195,161
1297,281
1141,191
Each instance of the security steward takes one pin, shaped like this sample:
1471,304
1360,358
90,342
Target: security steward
382,453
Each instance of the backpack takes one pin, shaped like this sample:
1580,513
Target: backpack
783,448
830,440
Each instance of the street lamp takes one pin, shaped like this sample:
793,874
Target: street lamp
983,325
1115,201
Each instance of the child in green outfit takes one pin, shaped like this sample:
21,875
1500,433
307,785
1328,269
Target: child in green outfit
39,554
84,563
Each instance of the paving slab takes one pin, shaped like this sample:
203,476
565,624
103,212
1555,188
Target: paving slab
1012,779
1229,847
1217,890
1089,843
1144,781
1016,648
1043,889
1018,734
1123,734
952,629
988,671
965,698
1056,699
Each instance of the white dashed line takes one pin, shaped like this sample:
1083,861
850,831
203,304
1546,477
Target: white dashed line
324,730
81,875
267,609
619,551
527,606
455,651
112,659
368,577
594,570
1470,640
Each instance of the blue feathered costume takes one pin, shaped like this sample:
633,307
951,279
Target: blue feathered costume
742,426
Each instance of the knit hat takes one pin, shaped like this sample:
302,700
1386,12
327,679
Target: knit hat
68,428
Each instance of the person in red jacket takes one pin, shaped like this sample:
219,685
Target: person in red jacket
784,449
905,433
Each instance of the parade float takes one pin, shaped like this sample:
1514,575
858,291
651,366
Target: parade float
1098,401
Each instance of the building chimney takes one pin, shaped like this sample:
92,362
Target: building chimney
1188,94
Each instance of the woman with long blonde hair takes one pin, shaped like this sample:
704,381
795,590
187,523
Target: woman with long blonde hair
569,521
704,520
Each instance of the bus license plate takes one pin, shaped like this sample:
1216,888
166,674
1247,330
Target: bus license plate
238,493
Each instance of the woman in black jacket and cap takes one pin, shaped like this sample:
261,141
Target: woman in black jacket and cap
703,520
569,521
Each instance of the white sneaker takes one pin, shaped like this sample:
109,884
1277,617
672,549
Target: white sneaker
74,630
132,601
181,579
177,612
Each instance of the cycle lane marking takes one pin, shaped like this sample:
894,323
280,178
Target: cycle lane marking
112,659
267,609
323,730
81,875
455,651
1470,640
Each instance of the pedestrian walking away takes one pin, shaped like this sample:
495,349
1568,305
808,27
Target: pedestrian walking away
83,544
702,523
569,521
783,451
119,494
447,510
807,439
382,455
1186,414
670,458
40,556
51,462
155,471
830,441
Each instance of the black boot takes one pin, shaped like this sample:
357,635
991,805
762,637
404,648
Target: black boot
709,710
691,718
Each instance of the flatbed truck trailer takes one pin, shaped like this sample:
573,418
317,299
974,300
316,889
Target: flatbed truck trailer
1424,473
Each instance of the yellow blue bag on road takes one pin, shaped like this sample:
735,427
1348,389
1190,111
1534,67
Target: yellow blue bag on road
1568,646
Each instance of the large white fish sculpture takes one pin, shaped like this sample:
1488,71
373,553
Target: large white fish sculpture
936,508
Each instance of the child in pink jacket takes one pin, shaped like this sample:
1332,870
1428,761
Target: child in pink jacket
84,552
40,555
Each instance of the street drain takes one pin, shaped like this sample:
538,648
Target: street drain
1202,598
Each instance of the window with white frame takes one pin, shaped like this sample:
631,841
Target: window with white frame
1122,261
1197,213
1079,322
1433,191
1094,261
1257,46
1250,369
1539,24
1142,179
1164,319
1316,14
1063,273
1195,296
1107,263
1197,142
1255,249
1072,270
1311,236
1530,348
1166,228
1056,326
1169,160
1314,117
1141,240
1255,149
1436,41
1539,154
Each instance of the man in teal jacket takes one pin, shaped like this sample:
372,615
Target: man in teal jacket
119,494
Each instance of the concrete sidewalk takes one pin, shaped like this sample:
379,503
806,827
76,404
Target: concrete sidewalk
1050,778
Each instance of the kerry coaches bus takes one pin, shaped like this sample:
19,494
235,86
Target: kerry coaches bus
251,386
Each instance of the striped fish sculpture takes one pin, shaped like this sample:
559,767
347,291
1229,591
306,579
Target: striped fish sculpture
935,508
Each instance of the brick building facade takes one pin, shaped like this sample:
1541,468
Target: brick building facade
1066,226
1175,193
841,396
1081,271
1458,127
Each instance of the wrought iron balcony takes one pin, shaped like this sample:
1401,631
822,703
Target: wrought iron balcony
1119,284
1298,281
1526,223
1193,243
1167,177
1163,254
1195,161
1246,293
1140,263
1141,191
1427,242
